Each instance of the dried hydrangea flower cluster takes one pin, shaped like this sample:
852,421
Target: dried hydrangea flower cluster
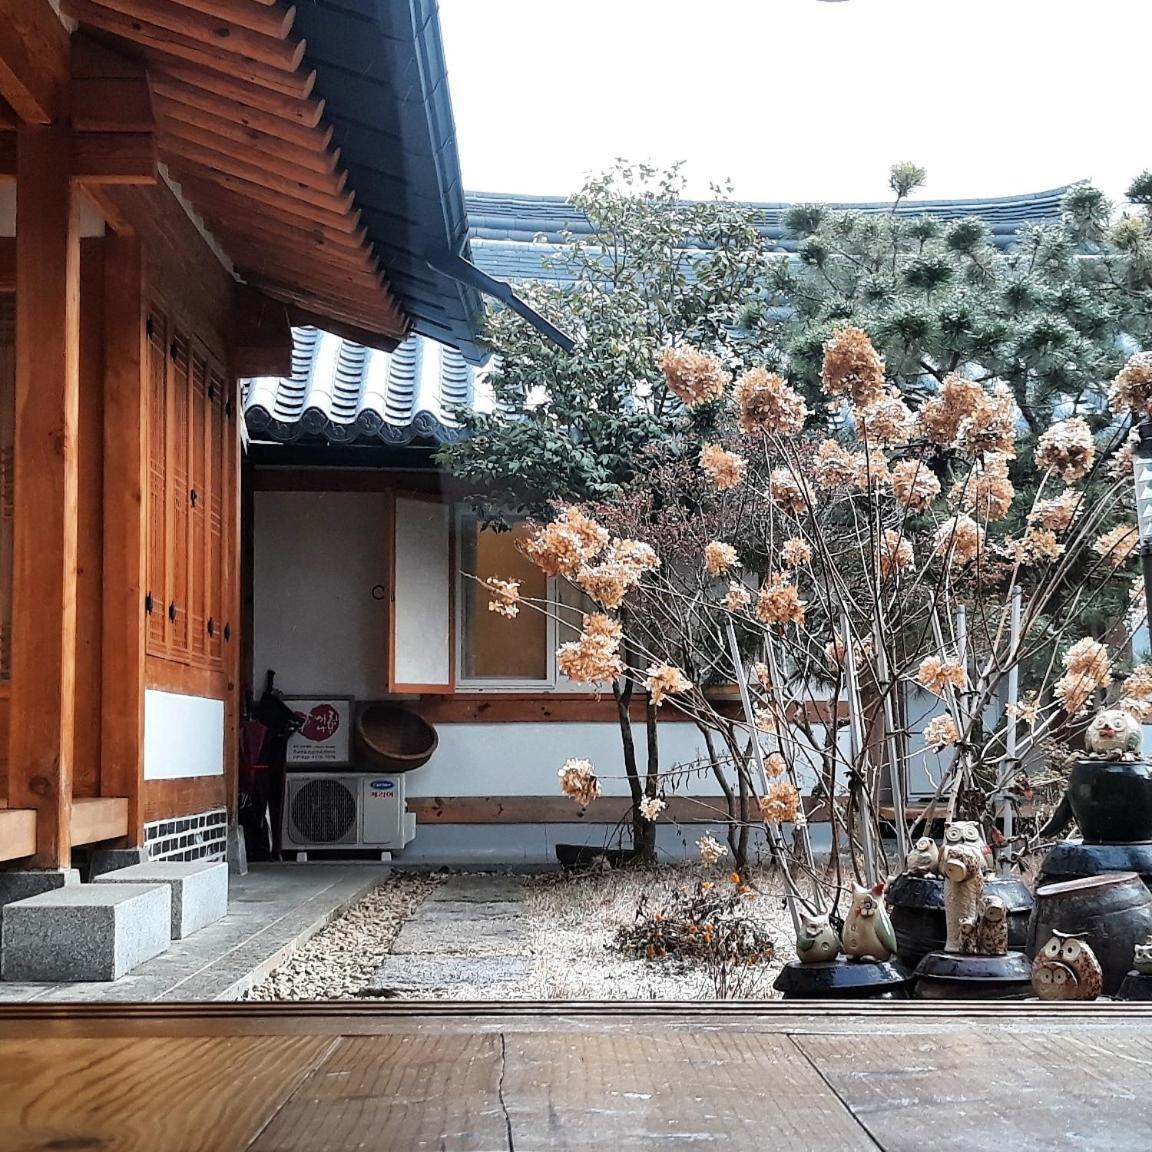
914,485
888,421
853,368
710,850
719,558
836,651
579,782
595,657
725,469
1136,693
940,732
694,376
1067,448
1059,513
961,537
896,554
779,601
1131,391
1026,709
1088,667
780,804
1116,545
617,571
1037,544
787,491
766,404
955,401
651,807
737,598
665,680
986,492
990,426
563,547
505,596
939,675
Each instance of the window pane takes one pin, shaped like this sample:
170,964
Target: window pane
494,647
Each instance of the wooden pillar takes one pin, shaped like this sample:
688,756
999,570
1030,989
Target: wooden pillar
40,741
125,538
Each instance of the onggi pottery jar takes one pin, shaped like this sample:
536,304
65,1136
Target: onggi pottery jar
1112,800
953,976
1113,912
842,979
916,908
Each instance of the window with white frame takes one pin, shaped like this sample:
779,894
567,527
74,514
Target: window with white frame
496,652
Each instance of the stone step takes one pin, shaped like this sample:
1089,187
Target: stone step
199,890
85,932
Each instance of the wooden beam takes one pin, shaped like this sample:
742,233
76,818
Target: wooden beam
187,50
17,833
40,741
371,338
125,528
268,17
296,121
225,35
384,317
109,91
261,339
114,158
7,264
33,59
99,818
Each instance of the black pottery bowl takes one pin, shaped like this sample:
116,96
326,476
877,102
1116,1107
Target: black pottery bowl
953,976
1112,800
1072,860
843,979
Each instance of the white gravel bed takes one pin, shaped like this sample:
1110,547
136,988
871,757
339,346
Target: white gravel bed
573,922
341,958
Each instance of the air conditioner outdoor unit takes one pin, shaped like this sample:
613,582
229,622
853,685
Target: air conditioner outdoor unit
359,810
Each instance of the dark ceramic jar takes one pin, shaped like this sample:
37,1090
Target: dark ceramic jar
1112,800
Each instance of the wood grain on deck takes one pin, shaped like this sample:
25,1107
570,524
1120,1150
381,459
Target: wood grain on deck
474,1078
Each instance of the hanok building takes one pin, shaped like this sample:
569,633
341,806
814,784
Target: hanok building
360,587
185,181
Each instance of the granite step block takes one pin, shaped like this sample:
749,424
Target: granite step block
85,932
199,890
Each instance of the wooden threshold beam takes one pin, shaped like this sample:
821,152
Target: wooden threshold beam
99,818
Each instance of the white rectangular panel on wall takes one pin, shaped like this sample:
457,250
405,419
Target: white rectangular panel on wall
320,592
183,736
422,596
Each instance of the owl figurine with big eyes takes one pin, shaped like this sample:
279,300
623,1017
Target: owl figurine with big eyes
868,933
1114,733
923,857
968,832
1142,957
817,941
1066,968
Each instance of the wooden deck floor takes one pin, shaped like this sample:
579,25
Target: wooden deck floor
274,1078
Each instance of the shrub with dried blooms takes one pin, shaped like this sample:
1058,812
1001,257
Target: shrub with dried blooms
940,732
695,377
835,651
788,491
579,782
779,601
834,467
852,367
775,765
889,422
505,596
737,598
1067,449
896,553
1074,692
595,657
562,547
665,680
1037,544
939,675
961,537
719,558
1089,658
1131,391
955,401
795,552
914,485
1117,544
869,470
986,492
764,717
766,404
1059,513
1026,709
725,469
1136,693
990,427
619,570
780,804
651,807
710,850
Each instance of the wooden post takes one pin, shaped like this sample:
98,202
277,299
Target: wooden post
40,744
125,539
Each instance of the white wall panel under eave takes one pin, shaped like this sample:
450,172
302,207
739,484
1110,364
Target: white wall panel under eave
320,591
422,610
183,736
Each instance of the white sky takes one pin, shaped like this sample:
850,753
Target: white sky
802,99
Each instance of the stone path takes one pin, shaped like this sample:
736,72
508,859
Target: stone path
469,941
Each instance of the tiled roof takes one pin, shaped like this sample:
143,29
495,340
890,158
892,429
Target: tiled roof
343,392
512,236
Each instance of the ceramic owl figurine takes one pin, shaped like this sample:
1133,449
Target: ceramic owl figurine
986,932
969,832
923,857
1113,732
817,941
1142,958
868,933
1066,968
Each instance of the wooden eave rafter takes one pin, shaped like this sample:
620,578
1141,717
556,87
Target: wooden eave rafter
241,133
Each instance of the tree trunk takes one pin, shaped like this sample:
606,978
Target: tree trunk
640,826
645,835
737,831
